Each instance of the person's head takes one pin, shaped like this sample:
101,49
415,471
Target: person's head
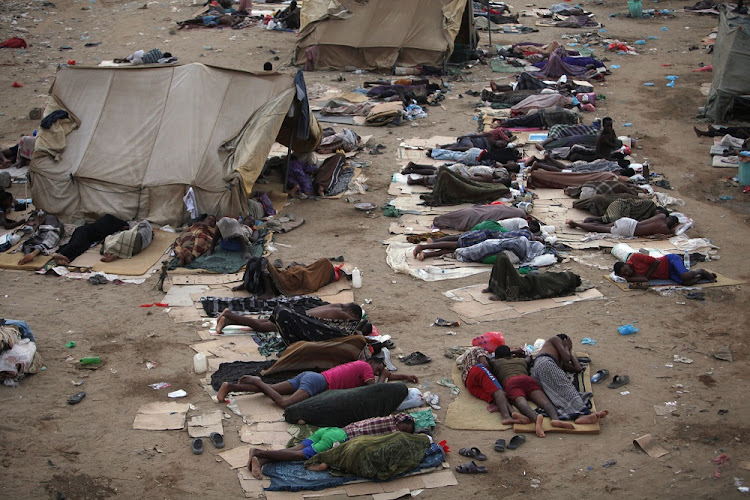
502,351
293,5
661,210
211,221
268,67
607,123
627,172
377,363
534,226
623,163
624,270
565,340
353,310
405,423
167,55
672,221
6,200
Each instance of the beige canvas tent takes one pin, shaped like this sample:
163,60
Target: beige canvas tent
144,135
381,34
731,61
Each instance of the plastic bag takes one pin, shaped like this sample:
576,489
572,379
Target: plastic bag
489,341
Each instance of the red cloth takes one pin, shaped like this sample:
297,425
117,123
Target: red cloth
349,375
13,43
520,385
641,262
480,385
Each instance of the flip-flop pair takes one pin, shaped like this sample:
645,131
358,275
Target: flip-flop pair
515,442
216,438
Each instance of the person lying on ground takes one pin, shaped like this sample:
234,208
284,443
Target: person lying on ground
477,173
639,209
308,384
47,233
717,130
289,17
335,313
6,206
627,227
619,167
87,235
233,236
641,268
555,358
611,187
326,438
544,118
125,244
153,56
449,244
494,134
482,384
466,142
194,241
475,156
520,388
507,284
211,20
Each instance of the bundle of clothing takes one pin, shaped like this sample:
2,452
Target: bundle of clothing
18,353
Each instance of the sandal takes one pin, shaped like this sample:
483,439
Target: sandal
599,376
500,445
618,381
416,358
471,468
217,439
473,453
197,446
76,398
516,441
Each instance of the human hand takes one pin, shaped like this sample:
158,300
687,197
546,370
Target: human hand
412,378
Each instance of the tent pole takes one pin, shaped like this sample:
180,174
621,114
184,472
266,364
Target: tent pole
489,22
292,133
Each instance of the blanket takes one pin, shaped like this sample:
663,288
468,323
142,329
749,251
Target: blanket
507,284
466,218
319,356
253,305
560,180
451,188
300,280
341,407
293,476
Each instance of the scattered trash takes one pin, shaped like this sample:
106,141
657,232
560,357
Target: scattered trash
150,365
723,412
609,463
627,124
444,322
431,399
159,385
665,409
455,390
726,197
696,295
627,329
16,85
649,84
588,341
723,353
624,393
70,344
615,66
681,359
177,394
648,444
91,360
76,398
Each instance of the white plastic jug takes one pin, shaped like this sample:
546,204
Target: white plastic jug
622,251
356,278
200,363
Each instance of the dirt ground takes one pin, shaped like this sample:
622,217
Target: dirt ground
90,450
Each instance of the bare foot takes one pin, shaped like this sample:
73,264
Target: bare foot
420,256
562,425
699,132
60,259
486,290
221,396
602,414
317,467
538,426
591,419
521,418
250,459
510,421
221,321
26,259
494,297
255,468
417,251
429,240
571,223
108,257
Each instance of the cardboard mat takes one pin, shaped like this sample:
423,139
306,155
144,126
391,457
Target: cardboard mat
473,306
161,416
9,260
469,413
400,257
136,265
584,381
721,280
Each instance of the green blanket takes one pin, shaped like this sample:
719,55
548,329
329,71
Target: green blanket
223,261
375,457
451,188
507,284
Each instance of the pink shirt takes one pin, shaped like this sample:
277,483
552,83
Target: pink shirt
349,375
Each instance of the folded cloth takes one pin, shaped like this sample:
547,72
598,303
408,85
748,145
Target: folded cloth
51,118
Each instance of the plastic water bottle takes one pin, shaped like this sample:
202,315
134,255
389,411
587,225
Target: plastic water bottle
686,260
92,360
356,278
200,363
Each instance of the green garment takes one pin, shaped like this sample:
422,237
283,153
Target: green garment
490,225
507,284
375,457
451,188
326,437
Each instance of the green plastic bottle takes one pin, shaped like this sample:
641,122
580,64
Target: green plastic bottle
93,360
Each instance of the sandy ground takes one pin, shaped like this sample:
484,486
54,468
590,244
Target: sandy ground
90,450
